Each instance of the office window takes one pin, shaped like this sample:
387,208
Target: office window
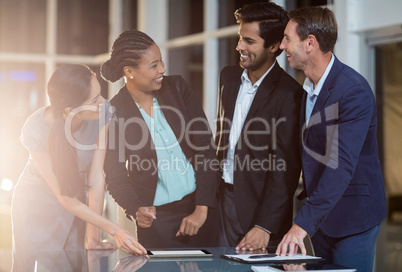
130,14
389,101
188,62
82,27
23,26
227,52
306,3
227,9
22,91
185,17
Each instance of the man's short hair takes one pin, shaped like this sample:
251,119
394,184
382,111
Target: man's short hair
319,22
272,21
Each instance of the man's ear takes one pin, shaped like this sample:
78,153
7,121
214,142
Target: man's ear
274,47
311,43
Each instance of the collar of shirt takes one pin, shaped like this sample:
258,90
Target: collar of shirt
244,77
308,85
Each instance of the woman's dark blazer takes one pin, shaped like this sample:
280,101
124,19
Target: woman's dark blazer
131,160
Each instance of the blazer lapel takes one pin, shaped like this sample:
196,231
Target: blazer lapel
170,101
131,110
303,110
316,116
229,95
265,88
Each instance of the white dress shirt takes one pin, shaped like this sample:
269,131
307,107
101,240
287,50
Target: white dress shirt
244,100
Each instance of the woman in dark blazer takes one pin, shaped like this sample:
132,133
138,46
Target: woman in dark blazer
160,161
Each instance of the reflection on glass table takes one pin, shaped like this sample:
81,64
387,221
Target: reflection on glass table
118,261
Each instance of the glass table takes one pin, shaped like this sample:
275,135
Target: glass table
118,261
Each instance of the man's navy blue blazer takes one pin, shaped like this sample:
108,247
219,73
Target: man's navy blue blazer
342,175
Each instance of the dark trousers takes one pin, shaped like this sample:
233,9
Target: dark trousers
231,232
355,251
162,233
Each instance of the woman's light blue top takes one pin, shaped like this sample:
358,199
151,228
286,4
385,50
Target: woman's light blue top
176,176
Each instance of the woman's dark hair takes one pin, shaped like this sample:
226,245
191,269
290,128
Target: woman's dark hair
319,22
127,50
68,87
272,21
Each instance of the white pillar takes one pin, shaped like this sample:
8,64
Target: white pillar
211,62
115,28
114,212
281,59
153,20
51,28
349,46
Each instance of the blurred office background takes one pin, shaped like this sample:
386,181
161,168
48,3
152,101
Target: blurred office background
197,39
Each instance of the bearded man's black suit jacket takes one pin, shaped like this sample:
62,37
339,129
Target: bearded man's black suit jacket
267,154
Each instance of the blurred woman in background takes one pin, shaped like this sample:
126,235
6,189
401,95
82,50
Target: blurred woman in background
66,142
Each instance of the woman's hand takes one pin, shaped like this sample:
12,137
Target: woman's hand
192,223
127,242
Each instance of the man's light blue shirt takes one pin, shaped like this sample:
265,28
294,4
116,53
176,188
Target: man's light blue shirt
176,176
312,93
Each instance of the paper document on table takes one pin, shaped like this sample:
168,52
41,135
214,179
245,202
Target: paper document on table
267,258
274,269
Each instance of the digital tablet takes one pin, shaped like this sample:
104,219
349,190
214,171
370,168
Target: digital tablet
179,253
270,258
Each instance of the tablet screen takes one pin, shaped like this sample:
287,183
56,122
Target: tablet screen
179,253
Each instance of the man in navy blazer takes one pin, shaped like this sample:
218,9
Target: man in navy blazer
257,134
341,170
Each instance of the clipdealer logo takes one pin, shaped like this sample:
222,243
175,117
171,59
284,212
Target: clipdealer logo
118,127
